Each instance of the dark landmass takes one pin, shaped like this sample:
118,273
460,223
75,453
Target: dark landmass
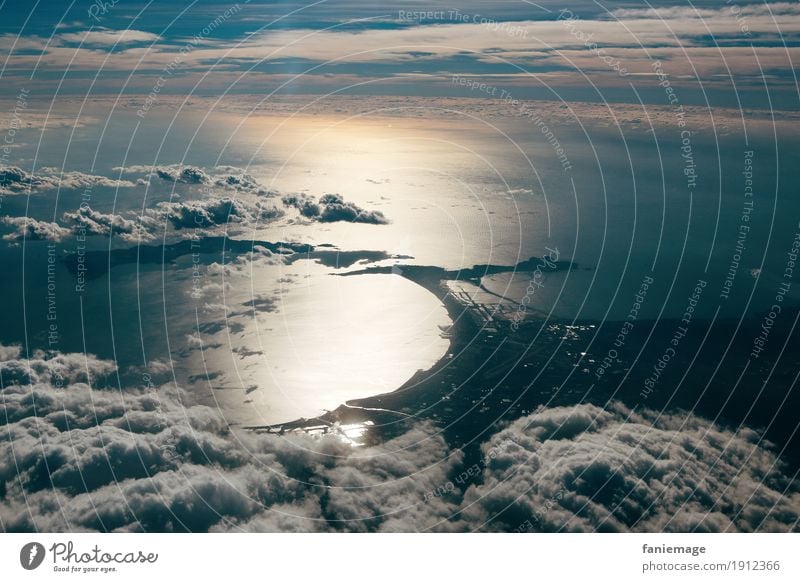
337,259
431,277
211,249
496,372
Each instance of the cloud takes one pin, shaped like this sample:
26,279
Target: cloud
13,178
91,222
17,180
154,369
262,303
187,175
585,468
193,340
204,214
237,179
684,12
76,457
531,40
31,229
335,208
106,37
227,177
542,47
51,368
82,458
380,489
268,212
305,204
332,208
207,214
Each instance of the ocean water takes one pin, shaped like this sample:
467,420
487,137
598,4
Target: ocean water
269,342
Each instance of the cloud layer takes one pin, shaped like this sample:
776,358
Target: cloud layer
592,469
228,197
74,457
79,458
742,41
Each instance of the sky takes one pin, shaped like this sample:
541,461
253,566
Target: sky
408,48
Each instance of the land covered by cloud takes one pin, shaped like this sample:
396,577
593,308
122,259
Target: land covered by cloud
585,468
77,457
229,198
